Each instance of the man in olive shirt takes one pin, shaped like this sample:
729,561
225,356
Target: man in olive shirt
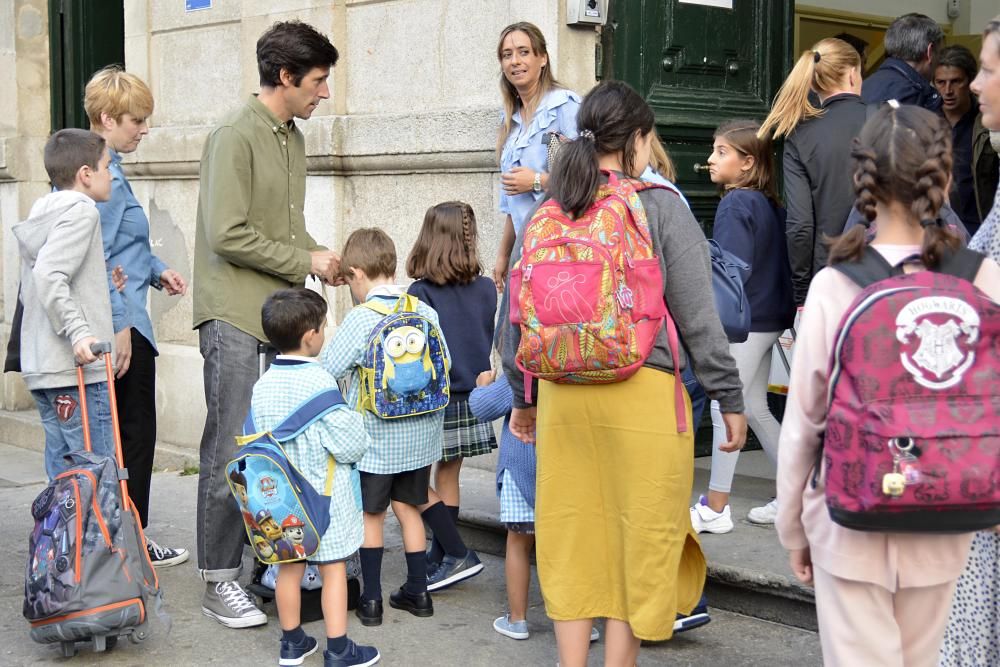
251,240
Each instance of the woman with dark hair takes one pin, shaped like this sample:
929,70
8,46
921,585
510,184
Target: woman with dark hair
972,636
537,110
615,461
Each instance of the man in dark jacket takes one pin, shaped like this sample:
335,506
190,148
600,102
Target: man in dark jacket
912,44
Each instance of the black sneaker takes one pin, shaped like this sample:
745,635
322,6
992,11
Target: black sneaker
452,571
295,653
164,556
369,612
353,656
418,604
697,618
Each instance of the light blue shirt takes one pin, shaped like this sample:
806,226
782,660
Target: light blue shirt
525,147
653,176
125,231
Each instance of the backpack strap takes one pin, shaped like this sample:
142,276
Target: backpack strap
963,263
871,268
405,302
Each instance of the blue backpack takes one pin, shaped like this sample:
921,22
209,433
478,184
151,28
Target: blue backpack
284,516
728,274
405,371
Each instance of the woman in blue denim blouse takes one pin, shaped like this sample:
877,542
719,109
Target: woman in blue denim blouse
536,109
117,104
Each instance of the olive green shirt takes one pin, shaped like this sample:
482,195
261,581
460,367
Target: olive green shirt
251,234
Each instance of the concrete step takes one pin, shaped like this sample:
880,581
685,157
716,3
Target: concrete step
747,568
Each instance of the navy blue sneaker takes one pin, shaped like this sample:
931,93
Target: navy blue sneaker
294,653
452,570
697,618
353,656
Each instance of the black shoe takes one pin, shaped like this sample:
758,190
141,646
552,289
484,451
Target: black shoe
418,604
369,611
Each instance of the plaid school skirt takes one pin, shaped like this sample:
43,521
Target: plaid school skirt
464,435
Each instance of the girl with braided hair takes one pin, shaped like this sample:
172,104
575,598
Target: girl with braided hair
881,598
444,263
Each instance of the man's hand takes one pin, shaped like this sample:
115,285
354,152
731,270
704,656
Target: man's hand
801,562
325,265
119,278
522,423
518,180
736,431
123,351
173,282
81,350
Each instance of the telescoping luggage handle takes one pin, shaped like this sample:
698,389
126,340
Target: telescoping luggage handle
103,349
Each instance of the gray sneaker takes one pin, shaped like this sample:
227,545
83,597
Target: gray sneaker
228,603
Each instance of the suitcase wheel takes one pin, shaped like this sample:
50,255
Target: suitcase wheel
137,636
68,649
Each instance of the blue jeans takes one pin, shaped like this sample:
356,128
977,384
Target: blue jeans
697,394
60,411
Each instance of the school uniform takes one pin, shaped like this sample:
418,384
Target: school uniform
289,382
882,598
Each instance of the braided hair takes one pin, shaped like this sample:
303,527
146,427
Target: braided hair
445,252
903,155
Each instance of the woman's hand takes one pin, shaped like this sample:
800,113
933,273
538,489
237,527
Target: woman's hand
518,180
173,282
500,271
802,566
522,423
736,431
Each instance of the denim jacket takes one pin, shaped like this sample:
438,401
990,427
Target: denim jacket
525,147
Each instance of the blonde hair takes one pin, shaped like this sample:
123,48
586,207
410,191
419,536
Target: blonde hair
821,69
660,160
115,92
511,100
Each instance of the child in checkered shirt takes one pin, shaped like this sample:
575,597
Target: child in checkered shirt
294,321
397,467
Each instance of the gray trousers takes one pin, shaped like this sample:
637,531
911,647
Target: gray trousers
231,369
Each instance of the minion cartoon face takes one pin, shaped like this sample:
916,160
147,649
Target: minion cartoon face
408,366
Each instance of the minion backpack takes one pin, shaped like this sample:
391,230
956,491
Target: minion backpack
405,371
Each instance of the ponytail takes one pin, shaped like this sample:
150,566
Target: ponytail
791,104
576,176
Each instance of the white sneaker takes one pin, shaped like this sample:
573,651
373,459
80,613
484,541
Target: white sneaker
706,520
765,515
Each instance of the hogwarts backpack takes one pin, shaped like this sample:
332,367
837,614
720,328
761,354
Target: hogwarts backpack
588,293
405,370
284,516
912,440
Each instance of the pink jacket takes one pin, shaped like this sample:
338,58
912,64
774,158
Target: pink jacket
890,560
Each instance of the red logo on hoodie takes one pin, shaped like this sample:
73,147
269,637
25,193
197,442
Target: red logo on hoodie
65,407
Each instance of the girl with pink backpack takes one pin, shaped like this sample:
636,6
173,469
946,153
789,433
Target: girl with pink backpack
867,532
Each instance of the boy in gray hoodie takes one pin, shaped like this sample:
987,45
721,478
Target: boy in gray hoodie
64,289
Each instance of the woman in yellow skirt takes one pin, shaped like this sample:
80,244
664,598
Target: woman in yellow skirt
615,473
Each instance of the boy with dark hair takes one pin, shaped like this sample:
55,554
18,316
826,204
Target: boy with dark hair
250,240
397,467
294,320
64,290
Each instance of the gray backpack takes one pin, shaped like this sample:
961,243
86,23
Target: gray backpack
88,576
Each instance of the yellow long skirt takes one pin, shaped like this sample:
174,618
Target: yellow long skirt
613,529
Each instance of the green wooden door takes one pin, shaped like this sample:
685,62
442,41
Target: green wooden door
698,66
84,36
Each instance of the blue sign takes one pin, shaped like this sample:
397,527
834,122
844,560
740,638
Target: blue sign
196,5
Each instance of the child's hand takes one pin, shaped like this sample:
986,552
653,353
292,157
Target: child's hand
82,352
801,563
522,423
119,278
736,431
486,378
123,351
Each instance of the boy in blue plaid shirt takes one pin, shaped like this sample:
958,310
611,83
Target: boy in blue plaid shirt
294,321
397,467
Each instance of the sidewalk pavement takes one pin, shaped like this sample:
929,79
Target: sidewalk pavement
460,632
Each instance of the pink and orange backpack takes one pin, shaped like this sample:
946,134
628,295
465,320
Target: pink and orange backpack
588,293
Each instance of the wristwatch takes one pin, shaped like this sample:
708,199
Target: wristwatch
536,186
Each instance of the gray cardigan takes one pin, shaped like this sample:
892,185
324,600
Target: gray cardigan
687,287
64,288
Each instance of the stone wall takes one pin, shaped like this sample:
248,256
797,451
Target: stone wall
411,122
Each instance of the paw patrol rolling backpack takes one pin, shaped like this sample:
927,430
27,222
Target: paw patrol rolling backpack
588,293
88,576
284,516
405,371
912,440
